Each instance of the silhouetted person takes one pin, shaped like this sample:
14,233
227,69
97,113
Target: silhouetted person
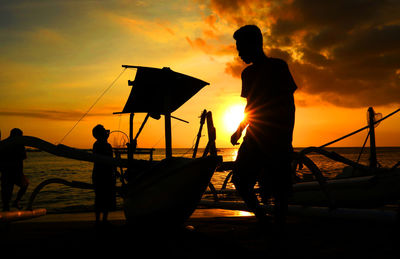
12,172
266,151
103,175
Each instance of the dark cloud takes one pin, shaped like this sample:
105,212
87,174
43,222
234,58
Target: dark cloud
346,52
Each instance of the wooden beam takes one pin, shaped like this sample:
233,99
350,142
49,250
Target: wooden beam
132,145
168,137
372,159
202,120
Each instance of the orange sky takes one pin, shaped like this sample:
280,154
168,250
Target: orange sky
57,57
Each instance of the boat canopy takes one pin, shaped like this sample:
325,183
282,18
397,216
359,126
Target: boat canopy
160,91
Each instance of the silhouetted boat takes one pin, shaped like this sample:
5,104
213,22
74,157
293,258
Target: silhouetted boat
167,191
358,186
170,190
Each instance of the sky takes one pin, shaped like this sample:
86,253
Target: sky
57,57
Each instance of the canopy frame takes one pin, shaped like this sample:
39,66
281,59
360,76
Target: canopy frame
165,111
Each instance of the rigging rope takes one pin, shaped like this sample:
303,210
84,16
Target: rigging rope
354,132
91,107
362,149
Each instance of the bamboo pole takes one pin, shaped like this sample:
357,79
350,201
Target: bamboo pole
372,159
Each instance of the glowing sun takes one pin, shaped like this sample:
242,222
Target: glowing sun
233,116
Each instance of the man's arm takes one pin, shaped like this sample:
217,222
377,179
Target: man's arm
244,93
238,133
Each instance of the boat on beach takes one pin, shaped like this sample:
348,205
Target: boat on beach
161,192
355,187
358,186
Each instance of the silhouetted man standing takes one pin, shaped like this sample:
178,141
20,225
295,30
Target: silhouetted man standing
266,151
11,167
103,176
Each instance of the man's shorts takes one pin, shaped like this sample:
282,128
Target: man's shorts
258,163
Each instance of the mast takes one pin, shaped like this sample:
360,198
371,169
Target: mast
168,138
132,145
167,124
372,159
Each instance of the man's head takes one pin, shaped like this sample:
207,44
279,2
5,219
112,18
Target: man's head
249,42
16,132
100,133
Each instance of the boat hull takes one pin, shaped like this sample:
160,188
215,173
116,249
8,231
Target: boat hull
168,193
364,191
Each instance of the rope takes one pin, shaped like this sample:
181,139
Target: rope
362,149
354,132
91,107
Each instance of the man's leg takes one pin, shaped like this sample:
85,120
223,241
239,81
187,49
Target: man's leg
282,183
6,193
23,186
244,178
21,192
246,191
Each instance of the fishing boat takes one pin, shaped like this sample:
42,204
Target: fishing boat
160,192
170,190
358,186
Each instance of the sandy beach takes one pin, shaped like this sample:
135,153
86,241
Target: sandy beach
208,232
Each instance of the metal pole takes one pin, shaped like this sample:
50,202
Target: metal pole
372,159
168,138
132,145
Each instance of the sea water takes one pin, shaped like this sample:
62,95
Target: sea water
40,166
